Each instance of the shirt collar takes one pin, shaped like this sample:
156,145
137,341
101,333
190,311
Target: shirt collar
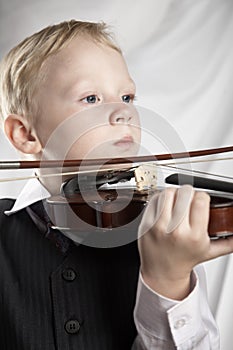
32,192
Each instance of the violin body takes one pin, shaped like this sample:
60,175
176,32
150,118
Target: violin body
123,208
103,210
119,208
221,216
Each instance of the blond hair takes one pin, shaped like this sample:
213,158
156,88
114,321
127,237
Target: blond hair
20,69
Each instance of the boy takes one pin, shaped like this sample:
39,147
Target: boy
59,295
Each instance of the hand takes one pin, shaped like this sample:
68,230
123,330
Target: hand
173,238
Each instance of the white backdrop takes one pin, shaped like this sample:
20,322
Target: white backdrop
180,54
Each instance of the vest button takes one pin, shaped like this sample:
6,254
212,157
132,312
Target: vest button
69,275
72,326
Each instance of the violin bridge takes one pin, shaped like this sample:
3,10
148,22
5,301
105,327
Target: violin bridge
146,177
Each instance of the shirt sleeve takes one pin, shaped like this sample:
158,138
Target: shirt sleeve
166,324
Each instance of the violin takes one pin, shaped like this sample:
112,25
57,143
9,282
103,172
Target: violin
122,208
85,204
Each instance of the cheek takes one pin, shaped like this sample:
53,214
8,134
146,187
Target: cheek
54,116
137,134
92,144
100,144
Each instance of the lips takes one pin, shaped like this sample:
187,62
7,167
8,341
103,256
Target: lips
125,142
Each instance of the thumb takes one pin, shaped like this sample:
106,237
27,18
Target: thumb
220,247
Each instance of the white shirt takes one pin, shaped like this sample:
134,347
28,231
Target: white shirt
162,323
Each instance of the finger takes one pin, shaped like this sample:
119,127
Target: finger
199,212
149,215
166,205
181,210
158,211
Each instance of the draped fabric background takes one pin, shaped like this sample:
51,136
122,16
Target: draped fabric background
180,54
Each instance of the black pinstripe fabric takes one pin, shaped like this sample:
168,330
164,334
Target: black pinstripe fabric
36,301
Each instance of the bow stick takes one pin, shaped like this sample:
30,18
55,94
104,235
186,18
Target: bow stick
30,164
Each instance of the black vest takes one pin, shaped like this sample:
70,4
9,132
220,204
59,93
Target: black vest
79,300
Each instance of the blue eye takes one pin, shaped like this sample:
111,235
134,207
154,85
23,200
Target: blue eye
90,99
127,98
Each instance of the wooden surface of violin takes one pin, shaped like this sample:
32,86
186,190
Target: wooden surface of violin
122,209
221,216
105,209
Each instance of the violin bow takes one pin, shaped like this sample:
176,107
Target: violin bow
31,164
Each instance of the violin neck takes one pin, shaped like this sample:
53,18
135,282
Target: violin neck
200,182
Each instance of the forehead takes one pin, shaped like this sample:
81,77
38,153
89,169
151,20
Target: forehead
83,57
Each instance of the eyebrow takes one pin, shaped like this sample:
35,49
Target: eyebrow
74,86
130,85
86,85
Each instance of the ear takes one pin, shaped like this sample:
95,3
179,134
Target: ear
21,134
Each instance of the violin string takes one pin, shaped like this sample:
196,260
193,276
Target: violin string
196,161
36,176
173,165
157,163
199,172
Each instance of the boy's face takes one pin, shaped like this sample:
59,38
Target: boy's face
81,76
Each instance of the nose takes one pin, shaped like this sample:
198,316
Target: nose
122,114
